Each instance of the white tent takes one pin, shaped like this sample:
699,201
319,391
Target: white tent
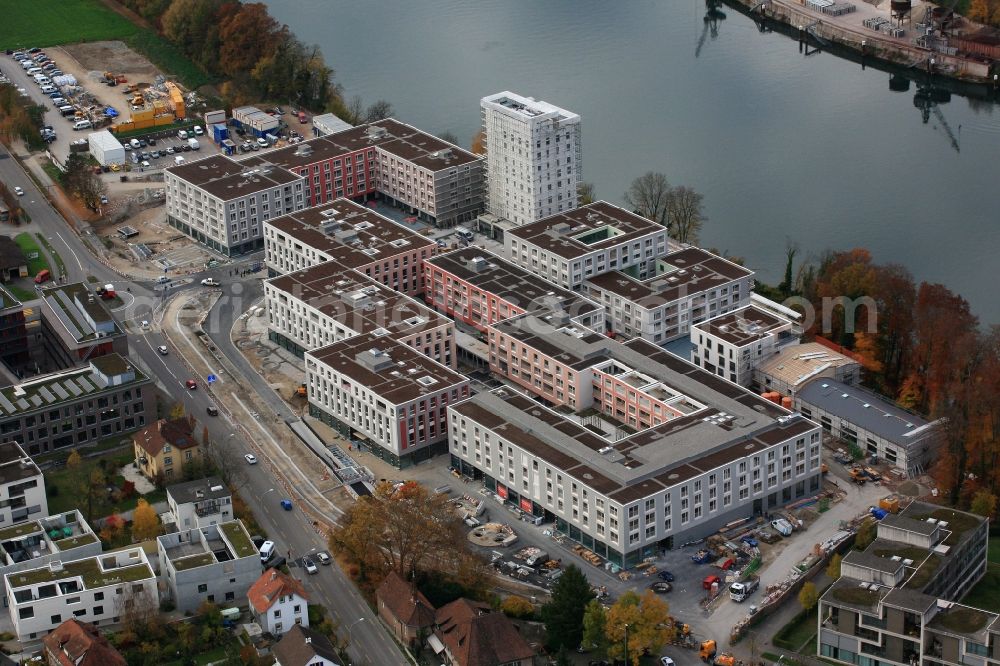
105,148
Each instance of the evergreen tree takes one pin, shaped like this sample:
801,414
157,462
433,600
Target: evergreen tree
563,615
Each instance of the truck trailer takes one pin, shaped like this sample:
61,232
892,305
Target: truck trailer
738,592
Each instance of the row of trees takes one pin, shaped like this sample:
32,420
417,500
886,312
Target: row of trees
20,118
677,207
920,344
256,56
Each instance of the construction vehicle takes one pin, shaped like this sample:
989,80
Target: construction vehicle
710,581
738,592
858,476
707,651
301,391
724,659
107,292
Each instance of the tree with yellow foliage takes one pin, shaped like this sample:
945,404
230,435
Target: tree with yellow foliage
644,618
145,522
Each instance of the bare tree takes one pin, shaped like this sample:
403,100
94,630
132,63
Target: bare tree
584,193
355,110
649,196
137,607
449,137
378,110
228,461
684,211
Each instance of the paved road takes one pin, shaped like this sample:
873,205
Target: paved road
371,644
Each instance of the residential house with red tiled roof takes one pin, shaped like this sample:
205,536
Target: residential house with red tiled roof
278,602
470,633
75,643
403,608
165,448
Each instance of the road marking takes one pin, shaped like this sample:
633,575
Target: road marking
210,366
280,450
72,251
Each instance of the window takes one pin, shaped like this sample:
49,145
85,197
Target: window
203,587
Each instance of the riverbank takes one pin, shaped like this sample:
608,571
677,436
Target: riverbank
848,31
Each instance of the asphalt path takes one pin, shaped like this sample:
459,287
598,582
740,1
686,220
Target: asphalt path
370,642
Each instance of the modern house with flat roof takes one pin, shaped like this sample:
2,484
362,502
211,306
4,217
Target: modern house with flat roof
22,486
383,395
32,544
654,453
319,306
77,326
679,290
200,503
872,423
569,247
534,157
436,181
732,345
214,563
75,407
898,601
794,366
479,288
95,589
352,236
223,204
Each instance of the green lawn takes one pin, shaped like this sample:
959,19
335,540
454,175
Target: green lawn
20,293
30,247
986,593
167,57
49,22
70,497
798,632
52,253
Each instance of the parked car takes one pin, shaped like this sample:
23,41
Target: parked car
135,144
182,135
323,557
667,576
198,131
262,142
146,164
104,200
170,150
250,458
309,566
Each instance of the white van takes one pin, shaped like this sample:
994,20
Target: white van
82,125
135,143
266,551
182,134
179,160
464,234
35,70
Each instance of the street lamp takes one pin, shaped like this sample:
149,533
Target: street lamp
626,644
352,624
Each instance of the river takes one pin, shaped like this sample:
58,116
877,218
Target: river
811,150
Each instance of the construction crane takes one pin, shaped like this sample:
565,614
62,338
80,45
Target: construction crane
928,101
712,17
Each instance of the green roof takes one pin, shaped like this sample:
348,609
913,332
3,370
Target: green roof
923,575
74,541
16,531
855,595
238,538
962,619
45,392
193,561
88,570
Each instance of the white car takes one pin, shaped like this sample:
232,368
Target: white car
323,557
250,458
262,142
198,131
135,144
162,349
210,282
18,191
666,661
310,566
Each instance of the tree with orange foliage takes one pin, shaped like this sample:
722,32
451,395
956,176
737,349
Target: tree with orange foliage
478,143
246,36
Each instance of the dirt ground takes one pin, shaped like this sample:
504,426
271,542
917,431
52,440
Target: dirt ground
114,56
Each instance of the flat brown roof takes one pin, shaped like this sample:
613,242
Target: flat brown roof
353,235
390,369
227,179
513,284
396,138
358,302
561,233
679,274
743,326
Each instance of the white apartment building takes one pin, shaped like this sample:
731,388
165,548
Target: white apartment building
96,590
200,503
734,344
533,157
352,236
680,289
384,396
325,304
710,453
22,486
569,247
223,204
278,602
35,543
